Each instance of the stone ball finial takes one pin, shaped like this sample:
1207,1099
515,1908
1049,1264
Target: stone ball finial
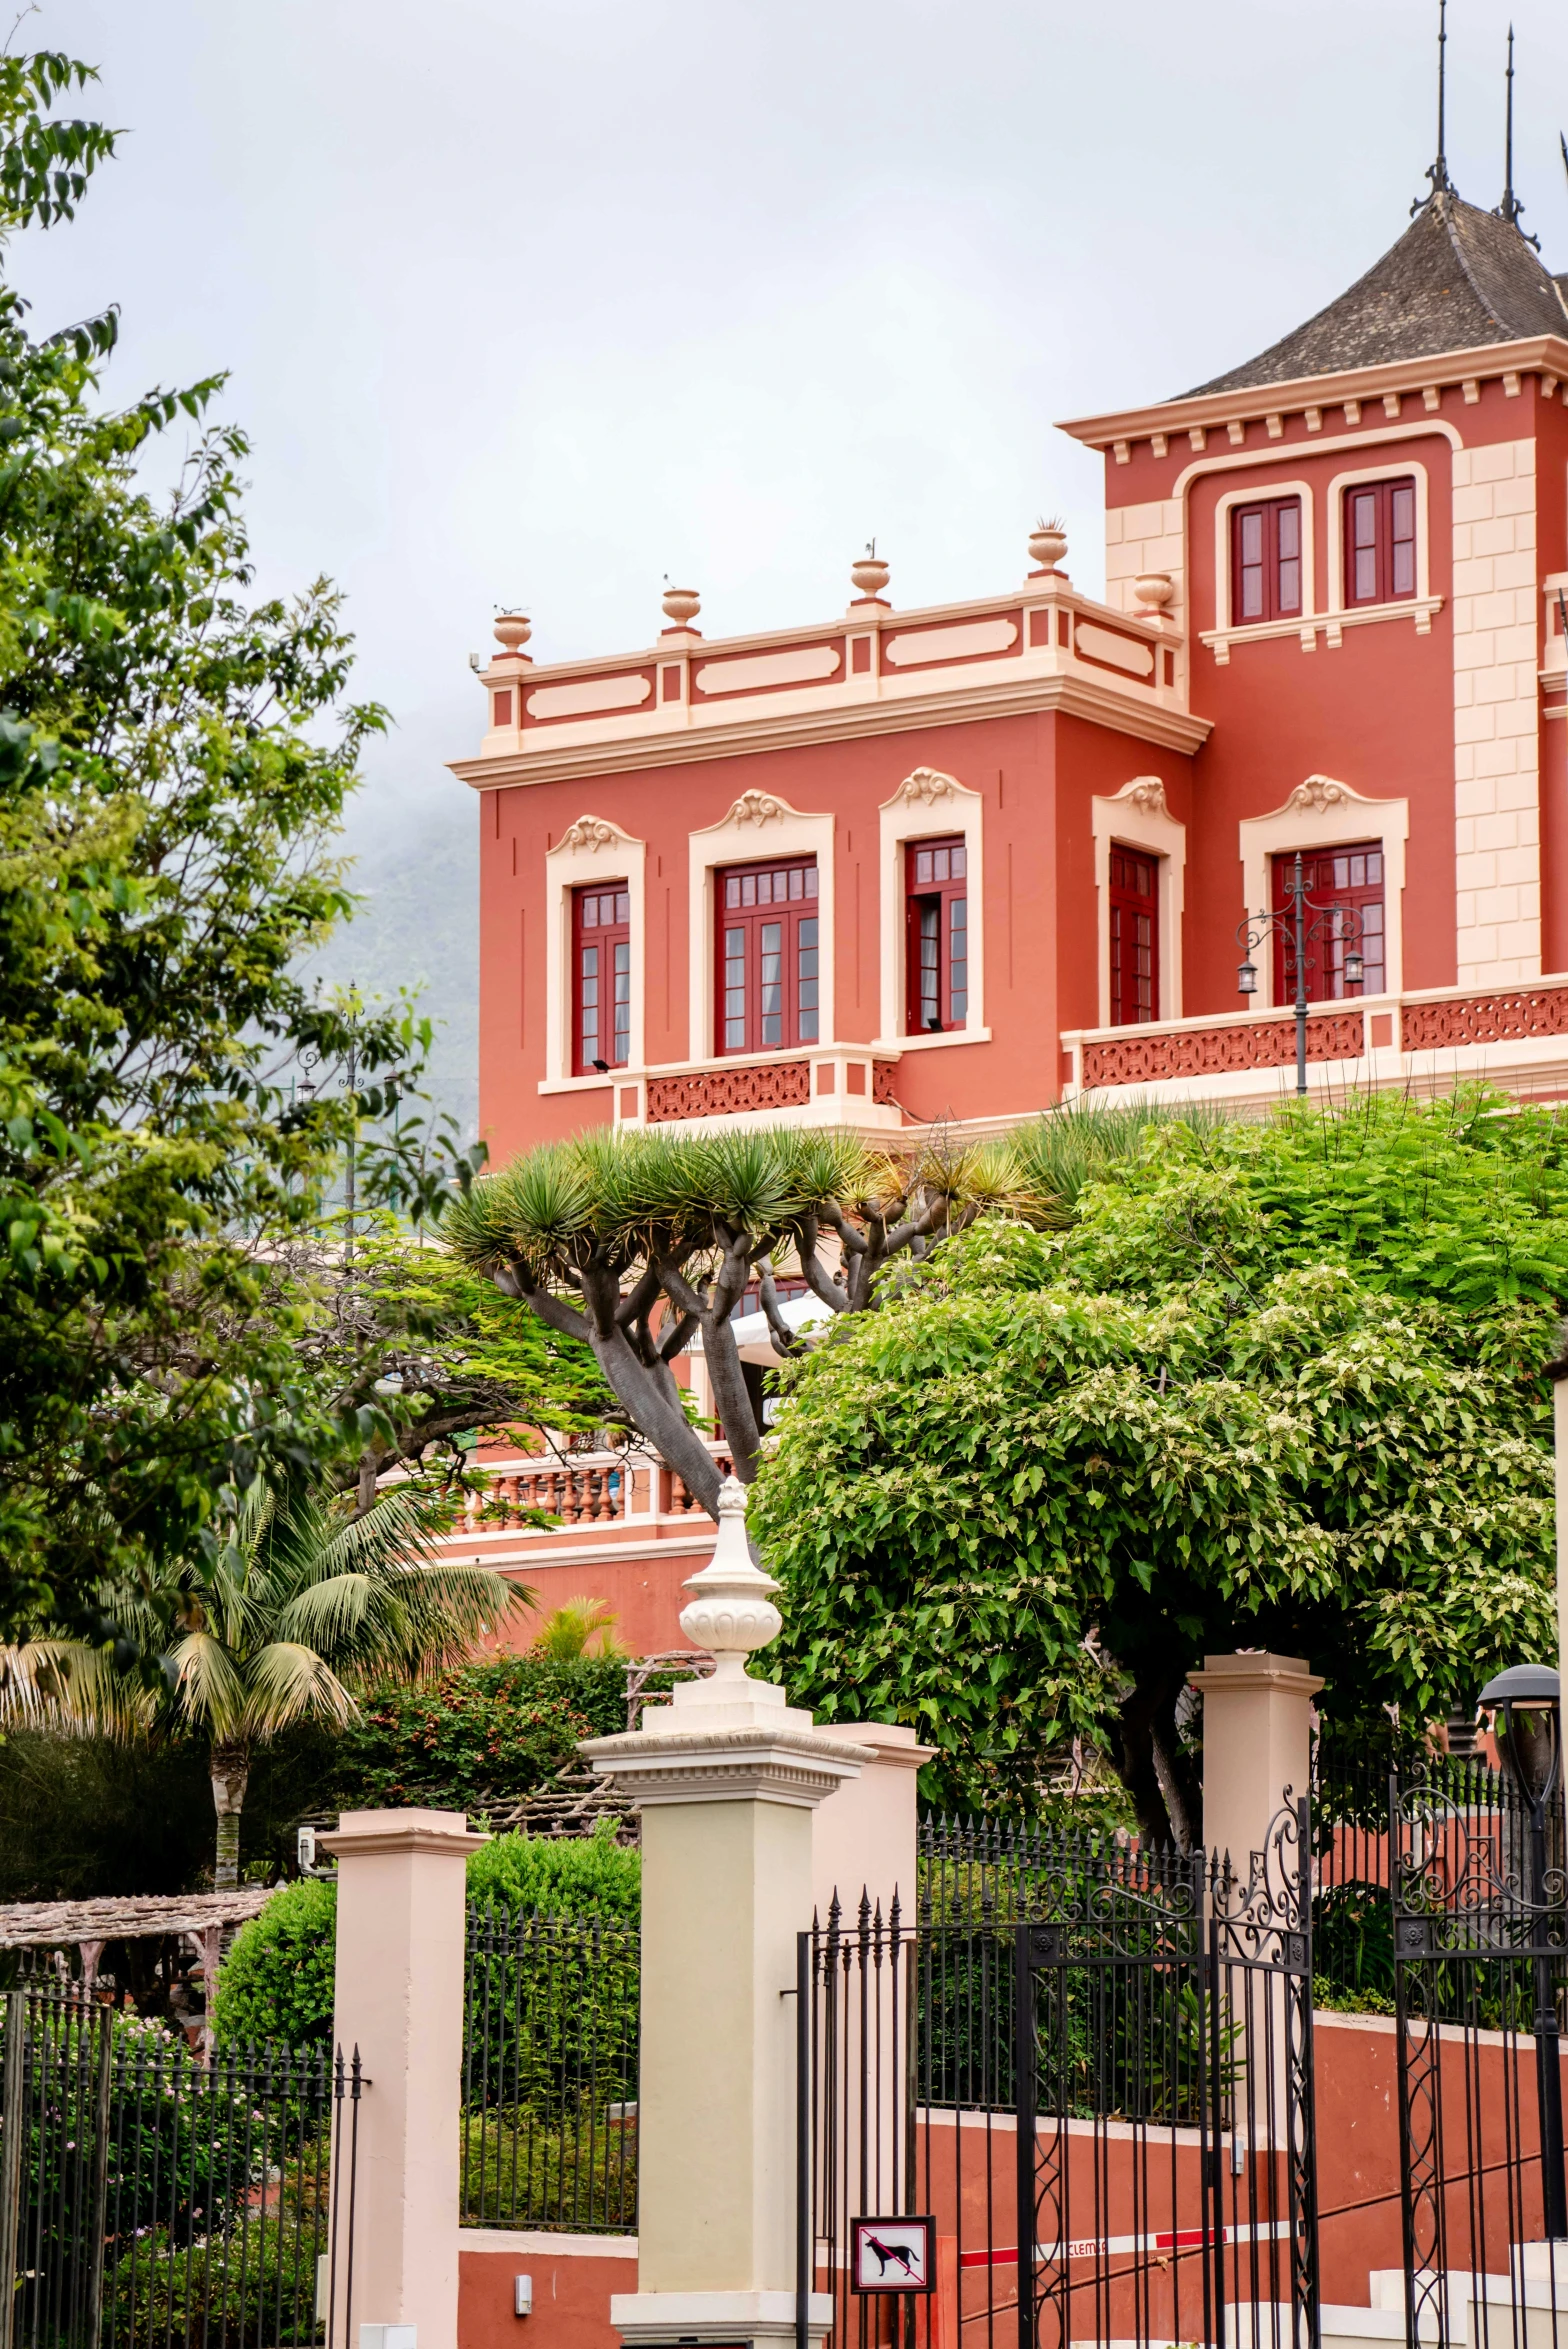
870,574
1048,544
731,1609
681,605
512,631
1154,590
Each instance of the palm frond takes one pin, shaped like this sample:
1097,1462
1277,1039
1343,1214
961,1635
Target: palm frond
290,1682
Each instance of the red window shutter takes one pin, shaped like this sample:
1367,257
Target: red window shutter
1265,561
936,935
1380,541
601,977
1135,937
767,951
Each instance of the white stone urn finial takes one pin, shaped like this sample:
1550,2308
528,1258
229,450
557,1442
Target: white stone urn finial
681,605
1048,544
870,575
512,630
731,1609
1154,591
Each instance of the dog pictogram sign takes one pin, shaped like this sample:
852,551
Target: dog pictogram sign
893,2254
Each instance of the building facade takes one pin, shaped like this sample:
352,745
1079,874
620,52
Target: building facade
966,862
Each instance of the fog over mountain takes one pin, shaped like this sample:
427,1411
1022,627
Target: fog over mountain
523,300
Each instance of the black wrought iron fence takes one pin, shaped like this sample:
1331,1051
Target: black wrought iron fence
550,2073
147,2196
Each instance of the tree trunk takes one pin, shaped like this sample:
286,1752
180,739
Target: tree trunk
1152,1764
230,1767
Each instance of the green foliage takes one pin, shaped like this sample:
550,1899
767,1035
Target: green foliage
579,1627
276,1982
275,1985
1206,1416
578,2176
174,759
258,2281
479,1734
563,1876
85,1818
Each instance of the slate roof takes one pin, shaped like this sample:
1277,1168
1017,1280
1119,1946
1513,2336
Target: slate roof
1458,278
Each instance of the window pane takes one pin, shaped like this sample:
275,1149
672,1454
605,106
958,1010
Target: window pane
811,880
923,864
588,995
734,990
622,979
748,889
806,979
960,861
931,964
732,891
623,906
1249,566
958,960
771,988
1402,504
1290,529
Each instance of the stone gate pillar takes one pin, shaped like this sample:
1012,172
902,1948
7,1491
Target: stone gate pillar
1257,1741
726,1777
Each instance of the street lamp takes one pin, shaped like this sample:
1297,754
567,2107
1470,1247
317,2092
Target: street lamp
1530,1745
1339,923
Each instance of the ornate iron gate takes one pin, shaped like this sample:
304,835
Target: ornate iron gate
1091,2071
1480,1929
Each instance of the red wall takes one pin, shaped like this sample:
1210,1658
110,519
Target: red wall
1036,775
571,2293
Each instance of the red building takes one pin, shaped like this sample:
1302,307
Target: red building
967,861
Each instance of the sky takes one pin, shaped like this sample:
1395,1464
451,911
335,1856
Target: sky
533,305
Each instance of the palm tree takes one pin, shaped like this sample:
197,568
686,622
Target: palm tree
565,1635
303,1605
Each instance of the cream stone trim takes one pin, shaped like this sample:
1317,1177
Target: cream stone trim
758,827
592,849
1334,603
1352,386
1125,709
1497,778
1320,813
1385,434
1225,622
926,805
1137,817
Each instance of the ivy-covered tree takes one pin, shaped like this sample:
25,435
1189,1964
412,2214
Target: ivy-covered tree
174,759
1279,1386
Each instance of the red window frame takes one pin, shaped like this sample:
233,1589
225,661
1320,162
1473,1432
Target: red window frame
1265,561
767,987
936,935
601,977
1380,541
1351,878
1135,936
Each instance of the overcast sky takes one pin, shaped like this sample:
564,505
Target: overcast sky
539,303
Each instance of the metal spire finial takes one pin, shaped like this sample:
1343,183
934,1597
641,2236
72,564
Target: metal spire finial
1510,206
1437,172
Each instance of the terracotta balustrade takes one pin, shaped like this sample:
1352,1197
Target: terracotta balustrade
781,1084
1143,1055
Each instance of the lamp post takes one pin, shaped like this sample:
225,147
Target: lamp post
1530,1742
1341,923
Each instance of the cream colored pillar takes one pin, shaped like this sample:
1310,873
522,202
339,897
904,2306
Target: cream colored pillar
1257,1744
398,1998
726,1777
867,1839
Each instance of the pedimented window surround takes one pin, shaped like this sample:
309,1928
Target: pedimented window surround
1137,817
758,827
1396,468
927,805
1320,813
592,849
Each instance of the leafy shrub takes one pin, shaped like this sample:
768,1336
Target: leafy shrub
276,1982
479,1733
565,1876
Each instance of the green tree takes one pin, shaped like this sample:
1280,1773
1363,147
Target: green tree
174,759
479,1735
636,1244
304,1604
1027,1496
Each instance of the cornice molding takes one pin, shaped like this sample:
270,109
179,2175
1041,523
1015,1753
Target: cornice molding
1074,697
1255,401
